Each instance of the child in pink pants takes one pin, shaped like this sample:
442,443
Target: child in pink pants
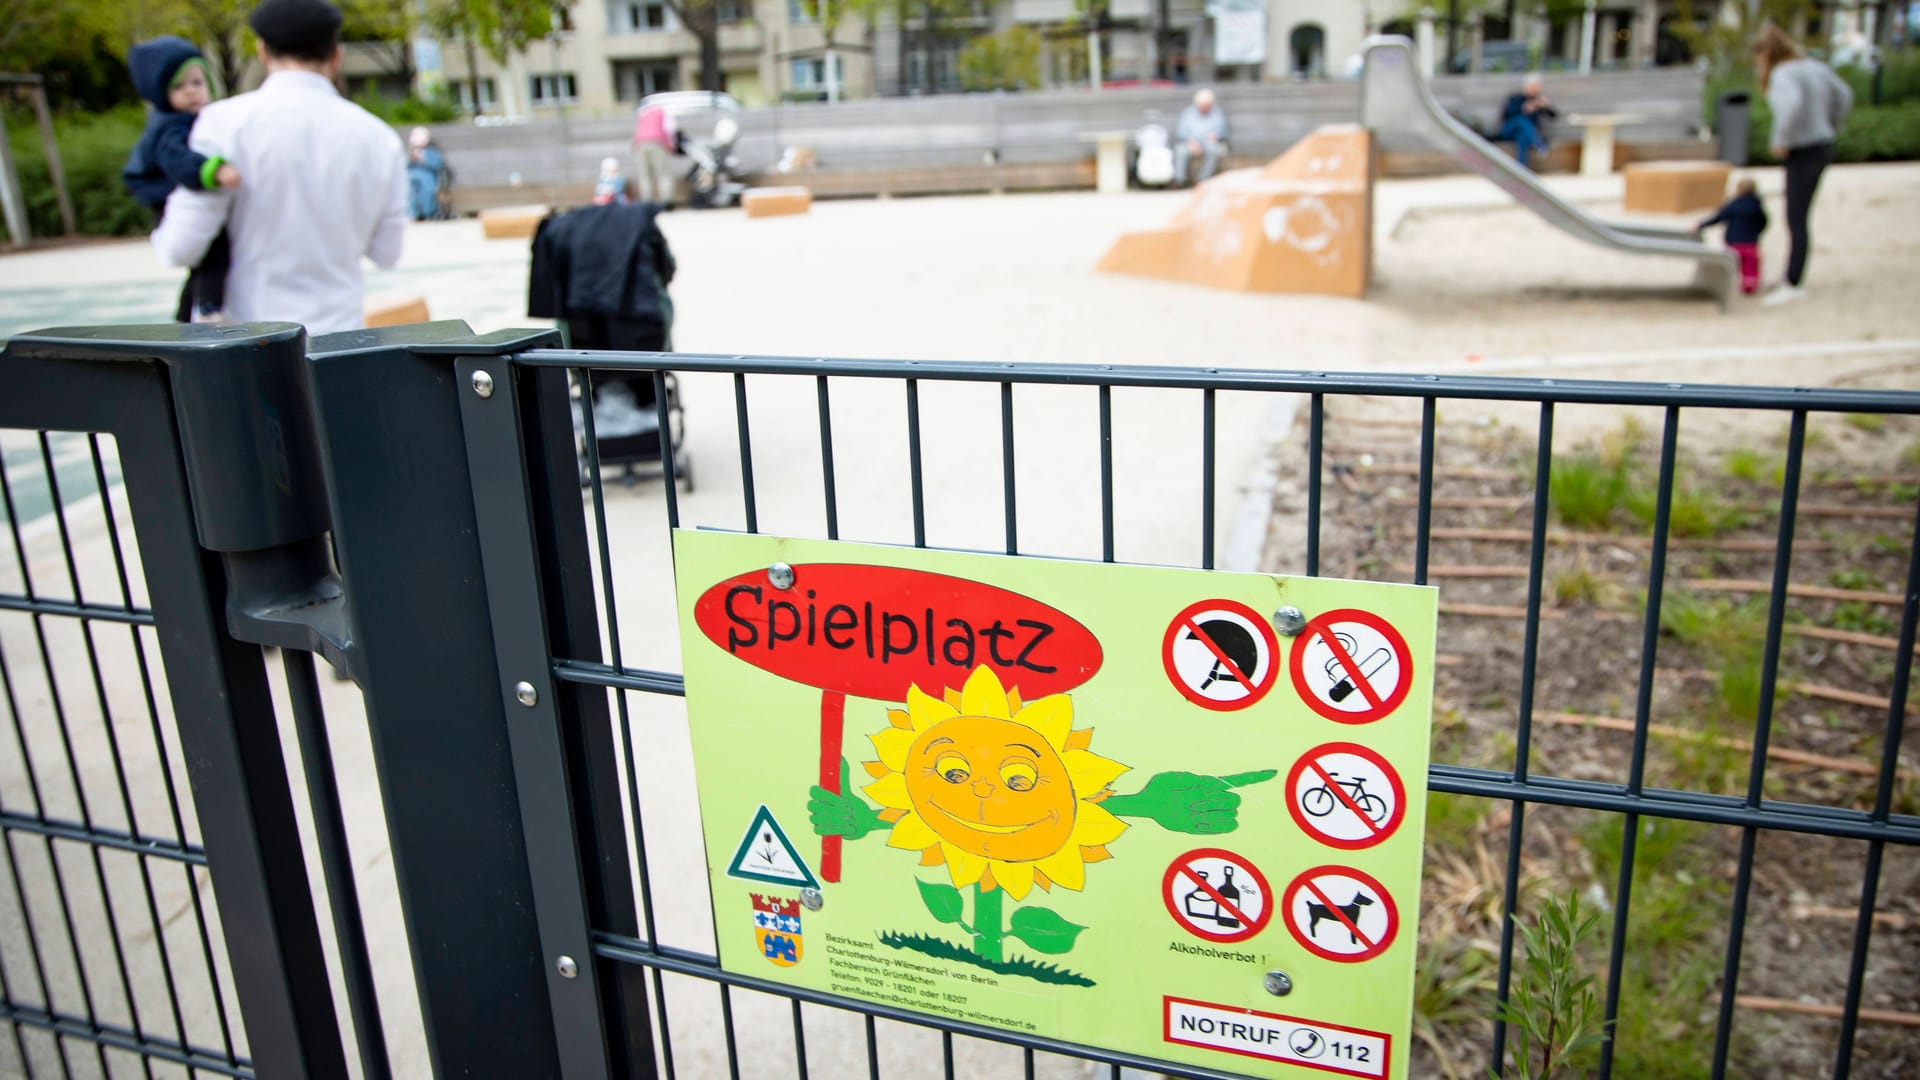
1745,220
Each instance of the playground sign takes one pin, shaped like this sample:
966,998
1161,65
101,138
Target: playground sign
1072,800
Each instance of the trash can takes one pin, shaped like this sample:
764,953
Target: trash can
1730,125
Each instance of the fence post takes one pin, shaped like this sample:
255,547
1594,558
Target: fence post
223,709
425,533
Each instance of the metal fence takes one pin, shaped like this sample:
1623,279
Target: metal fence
409,505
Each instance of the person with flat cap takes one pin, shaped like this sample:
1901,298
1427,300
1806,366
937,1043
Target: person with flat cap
326,182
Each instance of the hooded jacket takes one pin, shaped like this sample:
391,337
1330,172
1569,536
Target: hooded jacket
161,160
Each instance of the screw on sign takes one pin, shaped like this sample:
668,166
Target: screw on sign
1346,795
1340,913
1351,666
1217,895
1221,654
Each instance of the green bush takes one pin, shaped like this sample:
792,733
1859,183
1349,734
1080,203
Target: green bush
1008,60
93,148
1899,78
408,110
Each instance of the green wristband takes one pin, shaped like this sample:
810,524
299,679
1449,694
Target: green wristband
209,173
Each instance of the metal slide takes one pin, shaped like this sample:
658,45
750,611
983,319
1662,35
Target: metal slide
1394,98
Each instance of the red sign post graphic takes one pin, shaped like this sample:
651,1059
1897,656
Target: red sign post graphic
1346,795
1215,894
873,631
1351,666
1221,654
1340,913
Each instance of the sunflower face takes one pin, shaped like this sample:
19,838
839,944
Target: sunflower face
991,787
1003,792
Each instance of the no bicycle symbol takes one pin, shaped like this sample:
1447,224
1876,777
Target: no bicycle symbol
1351,666
1346,795
1217,895
1221,654
1340,913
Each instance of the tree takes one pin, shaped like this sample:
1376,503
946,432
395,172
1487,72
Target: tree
1728,28
1008,60
829,15
391,26
501,27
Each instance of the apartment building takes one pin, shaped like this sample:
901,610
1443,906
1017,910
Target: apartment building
605,55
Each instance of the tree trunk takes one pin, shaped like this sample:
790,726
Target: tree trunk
709,34
473,72
928,41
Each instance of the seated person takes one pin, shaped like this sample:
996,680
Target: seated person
1202,131
1523,120
612,185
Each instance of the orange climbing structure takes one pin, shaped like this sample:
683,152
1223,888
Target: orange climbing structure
1301,224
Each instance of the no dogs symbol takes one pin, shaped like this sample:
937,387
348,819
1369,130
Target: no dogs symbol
1351,666
1220,654
1340,913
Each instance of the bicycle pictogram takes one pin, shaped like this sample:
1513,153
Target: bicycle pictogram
1320,801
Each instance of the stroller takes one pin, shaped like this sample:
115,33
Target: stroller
602,273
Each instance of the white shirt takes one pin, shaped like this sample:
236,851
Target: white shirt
322,182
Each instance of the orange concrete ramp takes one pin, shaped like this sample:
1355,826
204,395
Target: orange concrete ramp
1302,224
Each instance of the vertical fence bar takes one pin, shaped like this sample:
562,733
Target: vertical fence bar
914,469
1208,478
726,1024
799,1042
826,457
746,450
1106,477
546,392
1316,432
873,1050
1423,514
1523,727
13,862
1007,483
1642,717
336,862
1882,807
1762,733
668,466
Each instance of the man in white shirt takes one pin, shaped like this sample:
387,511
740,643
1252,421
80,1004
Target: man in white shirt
325,182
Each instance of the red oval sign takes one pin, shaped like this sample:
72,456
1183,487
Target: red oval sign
872,631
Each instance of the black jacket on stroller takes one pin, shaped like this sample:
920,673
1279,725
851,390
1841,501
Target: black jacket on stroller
603,271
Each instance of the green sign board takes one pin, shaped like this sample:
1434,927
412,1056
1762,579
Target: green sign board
1091,802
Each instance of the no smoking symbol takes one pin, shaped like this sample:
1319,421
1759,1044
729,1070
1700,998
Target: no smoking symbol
1346,795
1220,654
1351,666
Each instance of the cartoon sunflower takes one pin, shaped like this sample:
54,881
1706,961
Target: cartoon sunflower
1004,792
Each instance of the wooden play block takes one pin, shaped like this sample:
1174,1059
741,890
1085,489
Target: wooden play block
412,309
1302,224
508,222
1676,187
775,201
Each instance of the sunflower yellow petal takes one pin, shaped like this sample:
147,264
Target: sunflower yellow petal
899,718
1016,878
911,834
892,744
963,867
1094,825
1089,771
1065,867
890,790
1052,717
983,695
927,711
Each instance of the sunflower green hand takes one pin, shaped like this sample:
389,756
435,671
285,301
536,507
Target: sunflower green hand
841,814
1185,802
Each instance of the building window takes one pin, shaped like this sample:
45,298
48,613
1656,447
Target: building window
463,93
797,12
733,11
811,74
640,17
551,90
945,58
635,79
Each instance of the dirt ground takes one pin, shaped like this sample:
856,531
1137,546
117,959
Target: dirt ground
1853,530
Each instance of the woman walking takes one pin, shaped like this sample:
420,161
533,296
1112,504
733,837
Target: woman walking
1809,104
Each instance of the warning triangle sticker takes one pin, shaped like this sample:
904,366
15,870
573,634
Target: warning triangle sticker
765,854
